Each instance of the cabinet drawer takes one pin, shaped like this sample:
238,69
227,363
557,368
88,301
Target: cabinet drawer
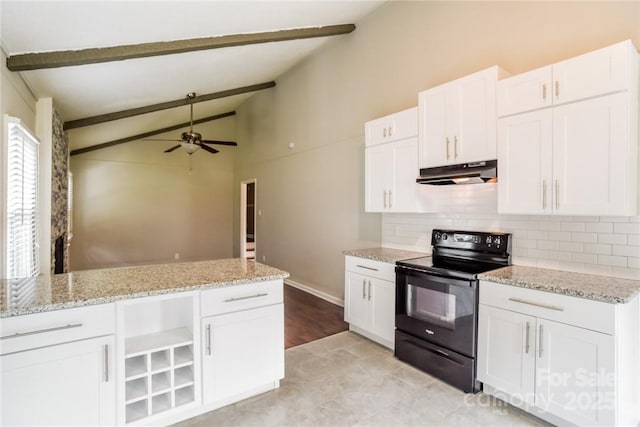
240,297
21,333
585,313
372,268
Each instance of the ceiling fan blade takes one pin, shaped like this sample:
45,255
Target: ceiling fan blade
173,148
157,139
209,149
213,141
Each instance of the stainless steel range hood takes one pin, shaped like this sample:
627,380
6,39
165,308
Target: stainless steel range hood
465,173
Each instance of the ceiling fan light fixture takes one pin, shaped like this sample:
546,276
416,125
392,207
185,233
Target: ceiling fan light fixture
190,147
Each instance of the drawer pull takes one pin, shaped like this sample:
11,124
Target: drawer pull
208,339
550,307
526,339
247,297
41,331
540,341
365,267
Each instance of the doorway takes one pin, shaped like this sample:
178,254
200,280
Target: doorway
248,219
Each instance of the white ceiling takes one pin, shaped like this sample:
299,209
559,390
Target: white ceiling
88,90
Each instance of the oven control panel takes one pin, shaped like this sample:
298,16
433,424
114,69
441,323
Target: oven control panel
472,240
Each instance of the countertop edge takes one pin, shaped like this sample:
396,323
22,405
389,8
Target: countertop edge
107,300
378,254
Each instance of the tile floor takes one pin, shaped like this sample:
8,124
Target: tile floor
346,380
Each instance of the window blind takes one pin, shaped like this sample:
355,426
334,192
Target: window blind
22,202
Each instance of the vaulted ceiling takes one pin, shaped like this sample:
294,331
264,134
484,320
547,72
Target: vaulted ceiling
82,91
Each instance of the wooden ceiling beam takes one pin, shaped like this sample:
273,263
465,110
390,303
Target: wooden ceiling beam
94,120
69,58
150,133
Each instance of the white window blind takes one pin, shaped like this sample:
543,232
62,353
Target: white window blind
22,201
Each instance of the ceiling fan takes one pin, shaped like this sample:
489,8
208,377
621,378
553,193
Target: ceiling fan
192,141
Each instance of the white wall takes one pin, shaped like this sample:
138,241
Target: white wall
312,195
134,204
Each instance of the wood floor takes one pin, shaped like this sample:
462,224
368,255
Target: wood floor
309,318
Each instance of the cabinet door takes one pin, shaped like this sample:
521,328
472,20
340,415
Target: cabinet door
242,351
590,142
475,139
506,351
357,309
433,129
378,177
575,377
525,92
66,384
377,131
382,295
404,124
403,195
524,160
595,73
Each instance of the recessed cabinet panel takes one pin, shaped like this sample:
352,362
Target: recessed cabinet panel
524,156
525,92
590,157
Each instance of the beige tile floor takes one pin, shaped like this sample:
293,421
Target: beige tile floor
346,380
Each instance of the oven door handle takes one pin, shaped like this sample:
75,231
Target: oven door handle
431,277
435,351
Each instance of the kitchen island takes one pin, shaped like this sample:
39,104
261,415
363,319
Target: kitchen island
147,344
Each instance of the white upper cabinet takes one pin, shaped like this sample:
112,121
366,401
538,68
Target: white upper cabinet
457,120
580,155
596,73
392,128
391,164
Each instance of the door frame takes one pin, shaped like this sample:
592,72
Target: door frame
243,216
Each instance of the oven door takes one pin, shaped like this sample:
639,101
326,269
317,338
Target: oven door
438,309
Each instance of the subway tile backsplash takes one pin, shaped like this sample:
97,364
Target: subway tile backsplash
608,246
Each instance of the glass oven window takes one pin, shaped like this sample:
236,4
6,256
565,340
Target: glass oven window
436,307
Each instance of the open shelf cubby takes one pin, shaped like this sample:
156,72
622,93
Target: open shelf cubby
159,365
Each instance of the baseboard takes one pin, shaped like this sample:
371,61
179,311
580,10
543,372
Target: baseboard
315,292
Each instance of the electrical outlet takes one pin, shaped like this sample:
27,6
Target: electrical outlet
176,255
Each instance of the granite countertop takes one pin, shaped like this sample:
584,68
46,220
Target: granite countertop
384,254
599,288
90,287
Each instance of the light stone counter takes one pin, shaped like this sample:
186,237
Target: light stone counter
599,288
384,254
90,287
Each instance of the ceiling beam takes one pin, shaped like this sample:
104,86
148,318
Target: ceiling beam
68,58
148,134
88,121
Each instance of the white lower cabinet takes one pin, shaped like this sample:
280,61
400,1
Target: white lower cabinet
242,351
370,295
66,384
559,357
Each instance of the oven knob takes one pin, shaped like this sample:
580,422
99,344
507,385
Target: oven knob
497,241
438,236
444,236
488,240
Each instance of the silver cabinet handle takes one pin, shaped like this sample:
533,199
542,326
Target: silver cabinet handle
544,91
247,297
526,339
537,304
540,341
384,198
106,362
369,298
455,147
557,194
390,199
557,88
208,339
364,288
544,194
390,130
447,142
42,331
368,268
384,132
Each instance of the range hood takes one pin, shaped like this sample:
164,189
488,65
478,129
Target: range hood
465,173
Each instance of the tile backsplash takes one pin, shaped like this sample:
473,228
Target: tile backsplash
608,246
